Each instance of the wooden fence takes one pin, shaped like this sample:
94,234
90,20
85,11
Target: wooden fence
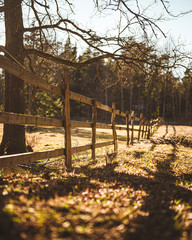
145,128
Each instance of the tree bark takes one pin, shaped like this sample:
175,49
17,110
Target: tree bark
13,135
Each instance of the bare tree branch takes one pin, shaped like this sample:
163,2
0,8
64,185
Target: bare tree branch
170,13
42,5
125,49
63,61
89,37
140,18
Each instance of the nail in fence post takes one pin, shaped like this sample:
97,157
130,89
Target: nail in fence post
127,122
114,127
140,124
94,126
67,123
132,122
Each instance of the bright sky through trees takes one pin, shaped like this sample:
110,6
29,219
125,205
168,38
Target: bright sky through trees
177,29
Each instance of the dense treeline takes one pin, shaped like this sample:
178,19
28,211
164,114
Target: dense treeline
152,90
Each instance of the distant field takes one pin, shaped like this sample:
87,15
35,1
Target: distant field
50,138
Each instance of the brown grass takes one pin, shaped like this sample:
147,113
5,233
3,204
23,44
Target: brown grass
145,192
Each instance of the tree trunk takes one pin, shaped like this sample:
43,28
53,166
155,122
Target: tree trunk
13,135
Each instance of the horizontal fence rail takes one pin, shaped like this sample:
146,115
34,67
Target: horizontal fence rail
145,128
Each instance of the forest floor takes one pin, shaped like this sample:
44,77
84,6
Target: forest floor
145,192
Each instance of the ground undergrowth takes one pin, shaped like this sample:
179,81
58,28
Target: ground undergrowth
144,192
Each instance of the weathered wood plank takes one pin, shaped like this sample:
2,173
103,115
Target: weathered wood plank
87,100
16,70
86,147
118,112
104,126
104,107
15,159
23,158
81,148
22,119
80,98
75,124
104,144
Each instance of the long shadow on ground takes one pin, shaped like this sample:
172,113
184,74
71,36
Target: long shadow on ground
159,222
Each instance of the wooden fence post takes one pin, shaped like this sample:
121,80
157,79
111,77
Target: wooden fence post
67,123
114,127
94,127
149,129
143,128
127,123
152,127
140,124
132,123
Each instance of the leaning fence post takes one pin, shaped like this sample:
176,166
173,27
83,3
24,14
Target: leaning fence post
67,123
114,127
140,124
94,127
132,122
127,123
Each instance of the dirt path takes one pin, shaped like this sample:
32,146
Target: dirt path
145,192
